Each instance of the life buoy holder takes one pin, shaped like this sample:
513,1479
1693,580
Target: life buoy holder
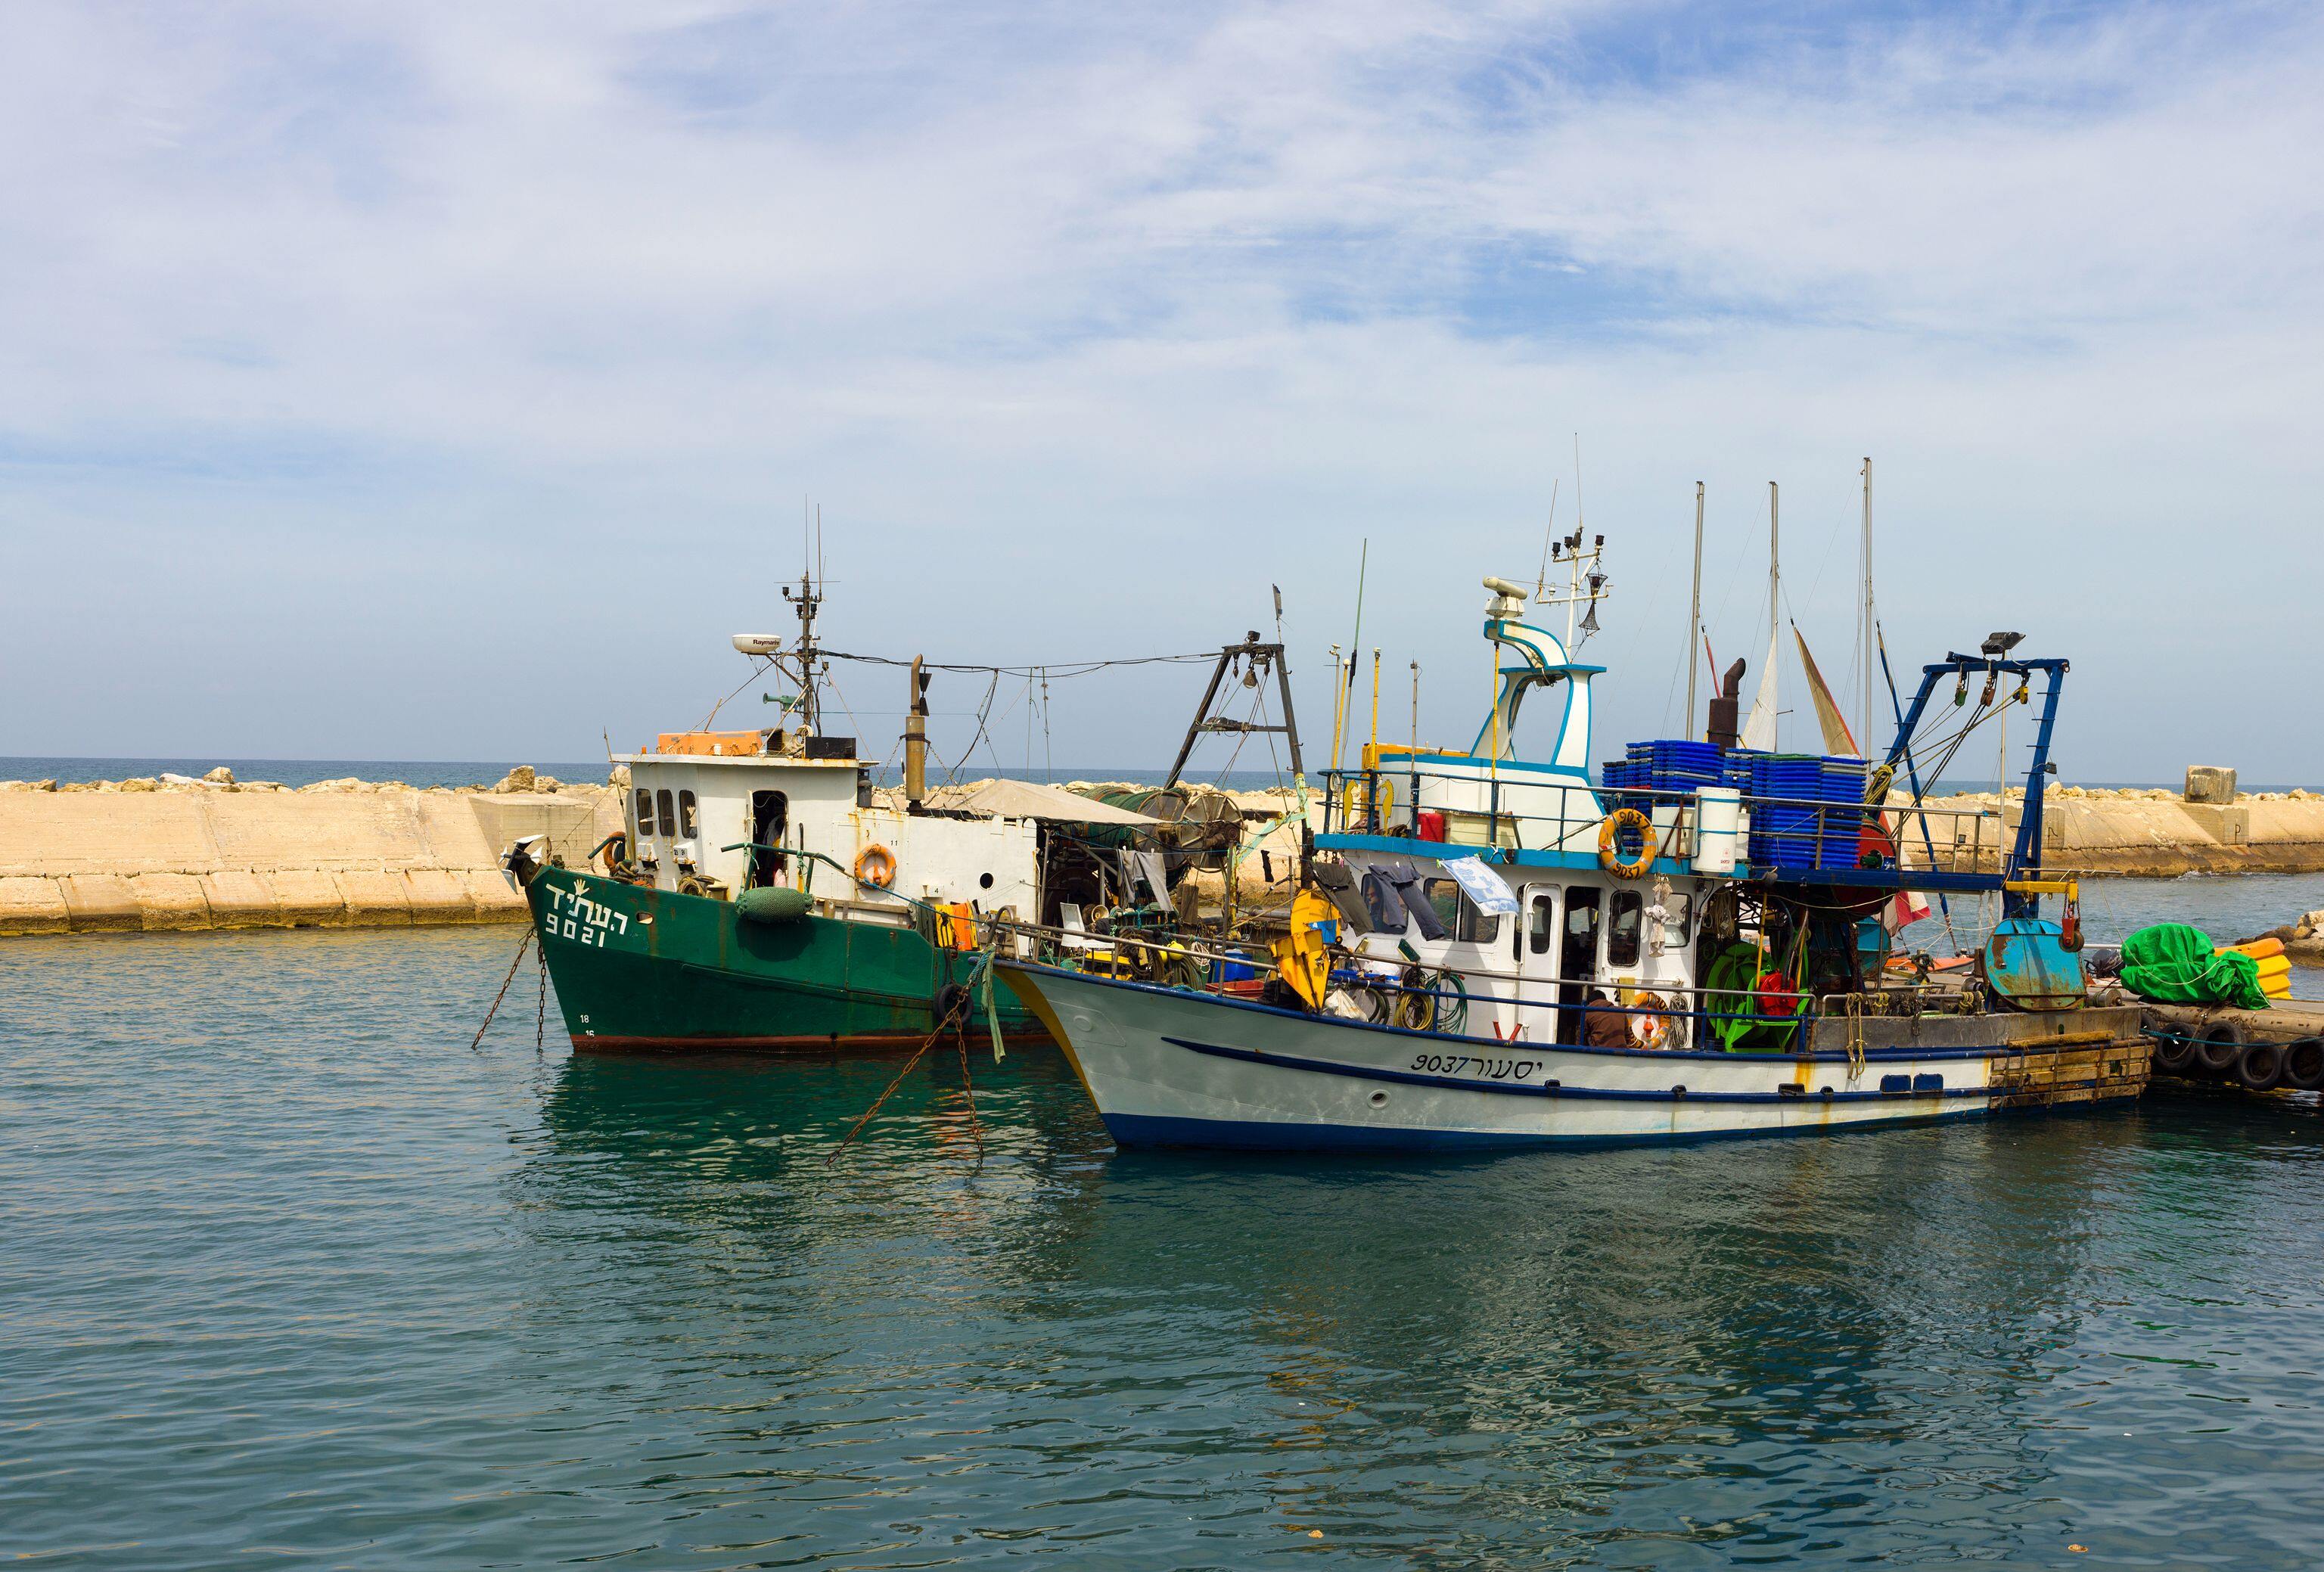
875,866
1609,843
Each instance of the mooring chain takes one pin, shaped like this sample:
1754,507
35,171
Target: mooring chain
953,1018
541,1011
519,961
968,1090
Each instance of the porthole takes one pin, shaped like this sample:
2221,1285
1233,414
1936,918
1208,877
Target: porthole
984,880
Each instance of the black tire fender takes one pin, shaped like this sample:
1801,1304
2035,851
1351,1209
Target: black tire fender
2261,1066
2174,1051
2303,1064
2220,1046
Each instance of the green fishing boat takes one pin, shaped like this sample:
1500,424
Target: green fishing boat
642,968
762,895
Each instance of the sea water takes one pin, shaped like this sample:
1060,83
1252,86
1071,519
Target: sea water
290,1276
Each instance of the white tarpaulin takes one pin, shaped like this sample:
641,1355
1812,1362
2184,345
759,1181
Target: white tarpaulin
1759,726
1004,799
1486,890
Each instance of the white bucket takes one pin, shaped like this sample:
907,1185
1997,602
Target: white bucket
1718,823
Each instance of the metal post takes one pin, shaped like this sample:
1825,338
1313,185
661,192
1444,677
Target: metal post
1290,722
1694,614
915,738
1202,714
1372,754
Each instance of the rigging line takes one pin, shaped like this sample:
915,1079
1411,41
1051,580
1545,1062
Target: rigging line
983,735
767,664
846,708
1258,702
1548,533
1742,549
1833,540
1057,669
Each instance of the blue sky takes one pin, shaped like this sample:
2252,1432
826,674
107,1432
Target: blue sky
437,382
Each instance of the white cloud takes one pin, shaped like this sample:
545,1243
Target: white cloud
1080,321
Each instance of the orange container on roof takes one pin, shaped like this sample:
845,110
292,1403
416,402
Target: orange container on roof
715,744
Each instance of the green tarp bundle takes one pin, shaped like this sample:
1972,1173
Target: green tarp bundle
2173,961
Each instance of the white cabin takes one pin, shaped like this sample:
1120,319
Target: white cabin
706,821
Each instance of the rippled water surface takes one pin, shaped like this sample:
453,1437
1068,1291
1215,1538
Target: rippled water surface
289,1276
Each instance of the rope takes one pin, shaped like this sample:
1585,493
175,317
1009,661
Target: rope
504,993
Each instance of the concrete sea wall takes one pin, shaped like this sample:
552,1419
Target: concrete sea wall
2131,830
176,854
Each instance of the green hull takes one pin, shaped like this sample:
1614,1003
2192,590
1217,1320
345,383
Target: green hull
639,968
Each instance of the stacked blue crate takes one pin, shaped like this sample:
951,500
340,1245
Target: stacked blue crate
1673,765
1843,827
1808,812
1619,780
1806,809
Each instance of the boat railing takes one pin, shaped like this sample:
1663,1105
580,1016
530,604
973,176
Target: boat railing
1509,812
1674,1000
1393,981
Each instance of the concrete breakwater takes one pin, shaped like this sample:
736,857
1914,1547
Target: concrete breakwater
177,853
2135,830
172,853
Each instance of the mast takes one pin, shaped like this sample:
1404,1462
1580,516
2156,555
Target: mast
1694,614
1574,557
805,600
1866,733
1759,730
1774,563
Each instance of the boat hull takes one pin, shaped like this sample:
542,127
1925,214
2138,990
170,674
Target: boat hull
1172,1067
645,970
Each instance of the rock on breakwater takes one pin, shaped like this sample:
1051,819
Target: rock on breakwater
176,853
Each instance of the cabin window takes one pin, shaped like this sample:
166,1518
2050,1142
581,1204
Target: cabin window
1541,923
1461,919
1626,917
1678,915
645,813
668,812
688,825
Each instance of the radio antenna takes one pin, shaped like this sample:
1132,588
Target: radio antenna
1548,533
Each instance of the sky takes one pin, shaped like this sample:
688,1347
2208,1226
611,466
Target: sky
395,381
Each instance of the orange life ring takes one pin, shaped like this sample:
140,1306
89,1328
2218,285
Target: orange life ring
1610,834
1650,1028
875,866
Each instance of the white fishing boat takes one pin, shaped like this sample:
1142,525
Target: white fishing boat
1494,951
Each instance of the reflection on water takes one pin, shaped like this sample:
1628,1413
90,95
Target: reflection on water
286,1269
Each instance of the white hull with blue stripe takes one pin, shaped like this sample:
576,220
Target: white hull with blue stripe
1176,1068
